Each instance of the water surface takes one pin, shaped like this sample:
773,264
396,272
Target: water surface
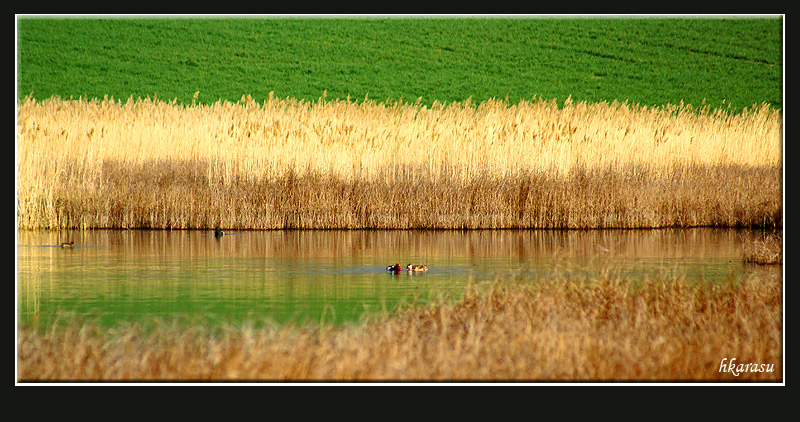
329,276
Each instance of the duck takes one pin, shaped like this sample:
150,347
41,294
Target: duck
66,244
218,233
416,268
394,268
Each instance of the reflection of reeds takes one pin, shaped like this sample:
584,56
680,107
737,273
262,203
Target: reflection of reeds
608,329
289,164
413,244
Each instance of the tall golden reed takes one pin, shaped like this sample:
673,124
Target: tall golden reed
342,164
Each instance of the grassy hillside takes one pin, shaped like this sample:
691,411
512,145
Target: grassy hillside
647,61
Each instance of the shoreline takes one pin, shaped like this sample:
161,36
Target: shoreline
558,330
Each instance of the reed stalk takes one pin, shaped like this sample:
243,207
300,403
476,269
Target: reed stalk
765,251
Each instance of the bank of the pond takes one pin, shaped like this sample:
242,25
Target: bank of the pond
559,329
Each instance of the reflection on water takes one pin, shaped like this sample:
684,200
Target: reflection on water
330,276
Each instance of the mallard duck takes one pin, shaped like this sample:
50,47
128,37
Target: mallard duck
66,244
394,268
416,268
218,233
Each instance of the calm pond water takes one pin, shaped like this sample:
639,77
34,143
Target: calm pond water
328,276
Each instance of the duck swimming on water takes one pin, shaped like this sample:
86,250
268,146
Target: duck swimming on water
394,268
416,268
66,244
218,233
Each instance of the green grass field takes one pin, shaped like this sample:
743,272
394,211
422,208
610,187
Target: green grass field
650,61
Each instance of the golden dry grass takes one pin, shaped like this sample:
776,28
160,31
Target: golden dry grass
340,164
608,329
766,251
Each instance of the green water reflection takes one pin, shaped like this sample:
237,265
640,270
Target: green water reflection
327,276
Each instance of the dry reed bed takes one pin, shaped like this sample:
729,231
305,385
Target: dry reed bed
765,251
340,164
607,329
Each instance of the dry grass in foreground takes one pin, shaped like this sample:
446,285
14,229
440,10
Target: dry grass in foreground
343,165
666,330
